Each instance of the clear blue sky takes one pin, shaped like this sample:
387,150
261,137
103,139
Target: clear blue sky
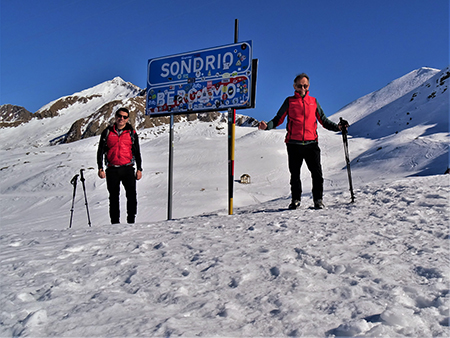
349,48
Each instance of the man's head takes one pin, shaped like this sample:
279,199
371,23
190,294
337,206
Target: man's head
301,84
122,115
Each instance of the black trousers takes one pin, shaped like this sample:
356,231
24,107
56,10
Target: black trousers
311,154
114,176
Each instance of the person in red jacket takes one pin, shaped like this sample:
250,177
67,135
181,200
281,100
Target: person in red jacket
119,146
303,112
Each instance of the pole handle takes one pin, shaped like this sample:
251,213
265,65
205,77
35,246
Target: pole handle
73,181
342,122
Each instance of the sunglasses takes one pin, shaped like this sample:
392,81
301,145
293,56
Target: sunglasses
120,116
300,86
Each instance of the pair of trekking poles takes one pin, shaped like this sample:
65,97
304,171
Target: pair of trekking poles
73,181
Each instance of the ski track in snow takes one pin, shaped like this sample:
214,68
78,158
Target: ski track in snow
378,267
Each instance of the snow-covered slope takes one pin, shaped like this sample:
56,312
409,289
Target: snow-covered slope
407,135
422,106
360,108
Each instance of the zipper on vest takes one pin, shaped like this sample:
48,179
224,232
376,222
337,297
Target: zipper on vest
304,118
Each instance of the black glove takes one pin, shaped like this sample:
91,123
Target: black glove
343,124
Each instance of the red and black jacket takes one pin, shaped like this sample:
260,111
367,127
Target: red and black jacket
302,115
119,147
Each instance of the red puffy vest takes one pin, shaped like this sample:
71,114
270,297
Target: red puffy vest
119,147
302,118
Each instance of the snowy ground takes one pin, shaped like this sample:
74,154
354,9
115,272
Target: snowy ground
378,267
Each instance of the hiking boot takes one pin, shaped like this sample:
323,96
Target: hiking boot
318,204
294,204
130,219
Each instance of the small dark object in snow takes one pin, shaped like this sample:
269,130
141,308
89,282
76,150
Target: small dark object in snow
245,179
275,271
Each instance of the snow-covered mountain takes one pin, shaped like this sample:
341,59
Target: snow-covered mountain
55,120
85,114
87,101
408,135
377,267
397,131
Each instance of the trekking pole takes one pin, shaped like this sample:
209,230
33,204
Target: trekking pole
73,181
347,158
85,197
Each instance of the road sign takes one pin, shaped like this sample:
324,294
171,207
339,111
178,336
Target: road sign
206,80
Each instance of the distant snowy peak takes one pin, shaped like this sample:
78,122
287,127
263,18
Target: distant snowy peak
369,103
116,85
91,98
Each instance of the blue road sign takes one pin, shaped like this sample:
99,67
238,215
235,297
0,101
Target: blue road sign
206,80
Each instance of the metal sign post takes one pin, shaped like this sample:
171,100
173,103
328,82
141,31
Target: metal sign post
232,139
231,147
170,179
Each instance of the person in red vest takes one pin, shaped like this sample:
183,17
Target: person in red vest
303,112
119,146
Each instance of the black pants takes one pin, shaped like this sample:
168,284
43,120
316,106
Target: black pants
114,176
311,154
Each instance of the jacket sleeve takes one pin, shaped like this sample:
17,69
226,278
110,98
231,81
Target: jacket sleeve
324,121
137,152
101,149
281,115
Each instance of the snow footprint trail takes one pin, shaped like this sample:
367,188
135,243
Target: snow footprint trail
379,267
388,253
